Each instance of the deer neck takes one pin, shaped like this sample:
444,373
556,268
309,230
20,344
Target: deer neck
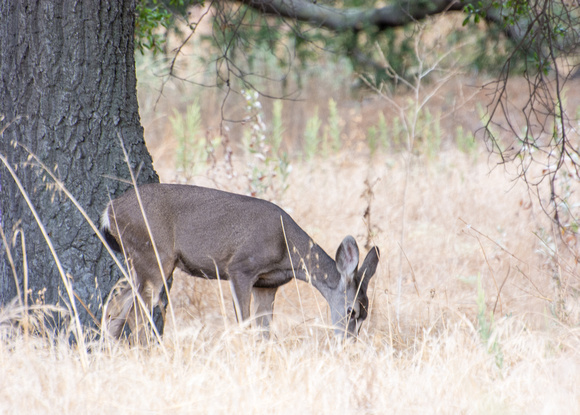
313,265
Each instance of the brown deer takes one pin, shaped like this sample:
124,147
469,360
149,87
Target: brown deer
251,242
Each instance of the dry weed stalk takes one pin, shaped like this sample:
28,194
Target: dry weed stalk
410,115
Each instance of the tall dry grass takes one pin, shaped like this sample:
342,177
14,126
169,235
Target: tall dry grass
463,222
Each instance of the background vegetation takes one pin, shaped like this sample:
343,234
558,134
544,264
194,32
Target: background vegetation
474,307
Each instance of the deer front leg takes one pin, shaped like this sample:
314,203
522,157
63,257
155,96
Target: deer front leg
241,295
264,307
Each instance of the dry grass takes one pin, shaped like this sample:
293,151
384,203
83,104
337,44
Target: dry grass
445,372
434,361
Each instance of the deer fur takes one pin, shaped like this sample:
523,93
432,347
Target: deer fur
250,242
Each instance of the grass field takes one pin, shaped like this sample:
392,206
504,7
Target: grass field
474,306
454,348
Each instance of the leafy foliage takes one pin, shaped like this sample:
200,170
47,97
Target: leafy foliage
153,19
243,37
190,143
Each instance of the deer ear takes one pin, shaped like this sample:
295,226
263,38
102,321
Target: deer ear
368,267
347,257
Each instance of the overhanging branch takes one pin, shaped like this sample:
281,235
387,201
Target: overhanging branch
354,19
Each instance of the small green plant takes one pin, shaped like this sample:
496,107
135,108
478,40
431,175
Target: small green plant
429,131
486,325
383,132
191,151
277,127
311,136
465,141
372,140
399,135
334,128
383,135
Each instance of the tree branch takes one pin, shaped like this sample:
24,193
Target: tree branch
355,19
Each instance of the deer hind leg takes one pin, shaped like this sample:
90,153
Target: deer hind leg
264,308
126,308
160,311
139,315
117,309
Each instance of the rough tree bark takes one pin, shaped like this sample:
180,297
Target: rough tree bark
67,91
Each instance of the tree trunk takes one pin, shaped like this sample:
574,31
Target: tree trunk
67,93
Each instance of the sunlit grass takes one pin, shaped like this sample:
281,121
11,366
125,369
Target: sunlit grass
434,360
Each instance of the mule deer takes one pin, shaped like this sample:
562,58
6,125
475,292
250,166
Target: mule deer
251,242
